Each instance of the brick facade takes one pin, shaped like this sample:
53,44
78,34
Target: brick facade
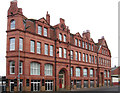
62,64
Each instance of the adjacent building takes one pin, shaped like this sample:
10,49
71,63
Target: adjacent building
42,57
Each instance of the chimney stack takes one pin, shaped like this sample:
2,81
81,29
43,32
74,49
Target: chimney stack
48,17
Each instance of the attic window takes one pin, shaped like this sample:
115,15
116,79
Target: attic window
12,24
45,31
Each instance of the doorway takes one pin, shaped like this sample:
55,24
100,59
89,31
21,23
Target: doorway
62,79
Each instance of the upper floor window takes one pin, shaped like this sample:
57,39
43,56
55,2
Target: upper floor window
12,24
86,45
64,38
86,57
79,43
105,73
51,50
108,74
20,67
65,53
40,30
32,46
60,52
46,49
95,59
76,42
45,31
89,47
71,54
48,70
91,72
83,44
38,47
35,68
85,72
12,67
76,55
71,71
60,37
20,44
92,47
90,58
77,72
83,57
79,56
12,44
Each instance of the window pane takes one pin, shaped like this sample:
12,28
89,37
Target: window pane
35,68
86,57
76,55
85,72
71,53
32,47
39,30
51,50
79,56
83,44
60,37
76,42
78,72
20,44
45,31
65,53
64,38
46,49
48,70
71,71
83,57
79,43
12,43
38,47
60,52
12,24
12,67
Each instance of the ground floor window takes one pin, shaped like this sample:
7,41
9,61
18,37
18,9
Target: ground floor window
105,83
85,83
49,85
78,84
72,85
108,82
35,85
21,85
96,83
91,83
11,85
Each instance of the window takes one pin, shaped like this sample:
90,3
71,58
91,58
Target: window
83,44
60,52
77,72
38,47
32,46
85,83
86,45
76,55
20,44
105,73
48,70
51,50
105,82
46,49
78,84
79,56
65,53
90,58
83,57
99,60
76,41
85,72
12,24
89,47
60,37
95,59
92,47
39,30
20,67
79,43
86,57
108,74
12,67
91,83
35,85
35,68
91,72
12,44
49,85
64,38
71,71
45,31
71,53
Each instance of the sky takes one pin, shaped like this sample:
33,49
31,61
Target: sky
98,16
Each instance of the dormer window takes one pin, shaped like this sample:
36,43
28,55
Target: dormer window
39,30
45,32
12,24
60,37
76,42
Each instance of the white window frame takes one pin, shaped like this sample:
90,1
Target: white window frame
85,74
49,83
65,53
21,44
91,72
32,46
34,68
60,52
76,55
64,38
39,30
79,43
71,71
46,49
77,72
83,57
21,68
89,46
71,54
79,56
12,24
51,50
89,58
48,70
60,36
12,67
83,44
12,44
76,42
45,31
39,47
86,57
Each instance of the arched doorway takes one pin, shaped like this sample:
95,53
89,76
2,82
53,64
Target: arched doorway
62,79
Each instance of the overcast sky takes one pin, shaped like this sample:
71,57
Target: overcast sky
98,16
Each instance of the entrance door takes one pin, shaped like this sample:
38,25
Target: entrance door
11,86
61,80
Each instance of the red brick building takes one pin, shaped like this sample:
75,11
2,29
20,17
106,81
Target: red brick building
41,57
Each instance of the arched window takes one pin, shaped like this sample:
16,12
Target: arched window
60,37
12,26
12,67
48,70
35,68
